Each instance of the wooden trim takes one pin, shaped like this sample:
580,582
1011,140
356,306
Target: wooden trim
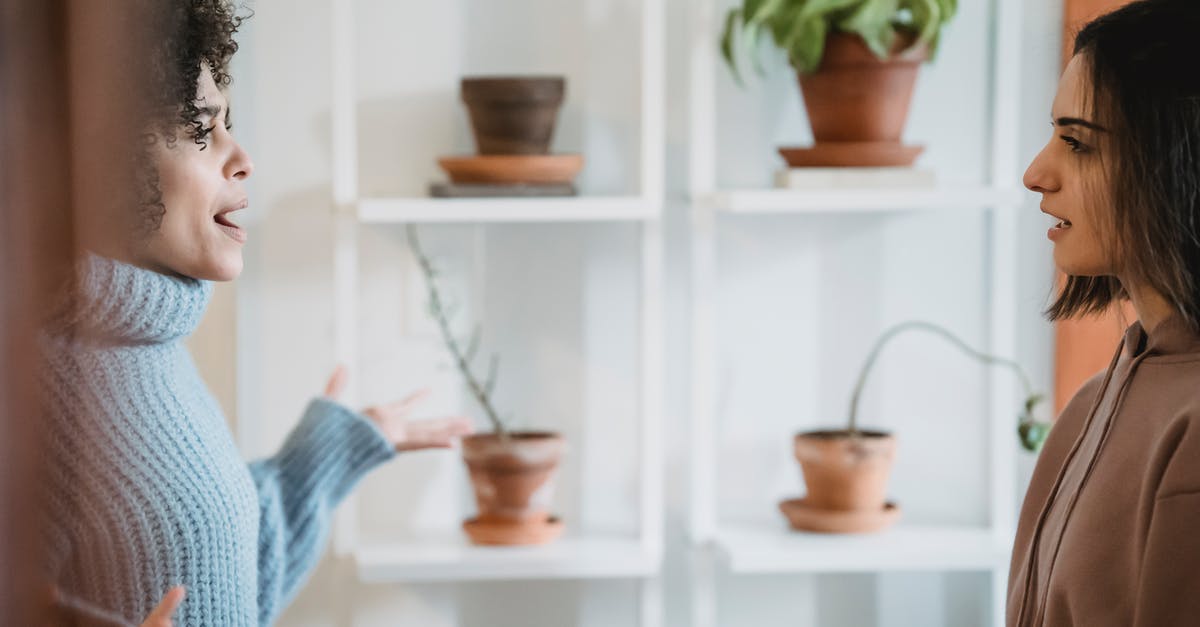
35,251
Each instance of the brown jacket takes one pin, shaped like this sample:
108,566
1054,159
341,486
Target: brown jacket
1109,533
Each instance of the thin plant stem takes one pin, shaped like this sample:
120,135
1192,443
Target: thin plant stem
931,328
480,391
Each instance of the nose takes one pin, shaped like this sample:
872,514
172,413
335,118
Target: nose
1039,176
239,166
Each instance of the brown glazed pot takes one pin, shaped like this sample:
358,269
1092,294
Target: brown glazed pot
513,477
855,96
513,115
844,473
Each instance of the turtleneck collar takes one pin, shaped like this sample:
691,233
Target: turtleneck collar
121,303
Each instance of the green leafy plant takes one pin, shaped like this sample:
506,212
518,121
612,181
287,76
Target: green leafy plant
800,27
463,355
1031,432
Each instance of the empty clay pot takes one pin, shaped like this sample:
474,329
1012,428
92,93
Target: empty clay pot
513,115
513,477
855,96
844,473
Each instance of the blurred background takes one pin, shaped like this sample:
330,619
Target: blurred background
676,333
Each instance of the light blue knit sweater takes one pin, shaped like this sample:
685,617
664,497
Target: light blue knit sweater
147,488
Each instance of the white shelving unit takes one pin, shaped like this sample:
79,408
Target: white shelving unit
448,556
446,210
748,201
765,549
773,548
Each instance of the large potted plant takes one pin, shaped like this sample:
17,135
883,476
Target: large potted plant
512,472
857,63
846,471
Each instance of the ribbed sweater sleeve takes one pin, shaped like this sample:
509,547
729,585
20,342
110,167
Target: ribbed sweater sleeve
298,488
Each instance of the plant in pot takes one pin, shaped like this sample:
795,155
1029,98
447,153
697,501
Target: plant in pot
512,472
857,63
846,471
512,120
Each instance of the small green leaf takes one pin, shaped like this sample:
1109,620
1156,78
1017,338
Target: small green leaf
751,35
824,8
873,22
1032,402
731,20
1033,435
926,21
949,9
806,45
759,12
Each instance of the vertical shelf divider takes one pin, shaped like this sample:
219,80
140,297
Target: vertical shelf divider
345,228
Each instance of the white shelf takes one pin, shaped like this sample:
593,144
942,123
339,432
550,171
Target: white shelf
559,209
773,548
452,558
863,200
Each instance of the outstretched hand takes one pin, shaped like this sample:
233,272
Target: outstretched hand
392,419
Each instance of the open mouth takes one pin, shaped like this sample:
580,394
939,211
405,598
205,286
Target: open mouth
224,221
1062,223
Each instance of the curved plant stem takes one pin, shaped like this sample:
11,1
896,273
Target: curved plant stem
931,328
481,391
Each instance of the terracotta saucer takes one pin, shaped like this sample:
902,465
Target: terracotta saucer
805,518
494,533
851,155
513,169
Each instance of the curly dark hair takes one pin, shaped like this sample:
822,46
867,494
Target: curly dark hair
184,37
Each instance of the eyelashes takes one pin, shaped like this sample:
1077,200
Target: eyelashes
204,132
1074,144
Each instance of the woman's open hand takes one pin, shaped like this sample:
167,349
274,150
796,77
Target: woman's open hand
392,419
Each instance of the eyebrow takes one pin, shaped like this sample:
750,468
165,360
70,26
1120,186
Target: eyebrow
1079,122
211,110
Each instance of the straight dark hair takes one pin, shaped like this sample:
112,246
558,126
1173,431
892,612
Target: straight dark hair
1146,93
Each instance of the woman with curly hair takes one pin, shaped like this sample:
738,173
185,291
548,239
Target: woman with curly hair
149,499
1108,531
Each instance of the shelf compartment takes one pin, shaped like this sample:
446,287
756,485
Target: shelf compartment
833,200
447,557
559,209
773,548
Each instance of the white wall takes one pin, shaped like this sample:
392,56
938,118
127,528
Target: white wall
806,297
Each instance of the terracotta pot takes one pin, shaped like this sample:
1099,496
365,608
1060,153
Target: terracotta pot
513,115
844,473
855,96
513,477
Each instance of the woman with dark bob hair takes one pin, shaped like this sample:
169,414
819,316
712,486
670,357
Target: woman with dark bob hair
1109,533
151,512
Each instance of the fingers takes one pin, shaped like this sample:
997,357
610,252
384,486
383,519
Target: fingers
436,433
404,405
161,616
337,382
442,428
459,426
